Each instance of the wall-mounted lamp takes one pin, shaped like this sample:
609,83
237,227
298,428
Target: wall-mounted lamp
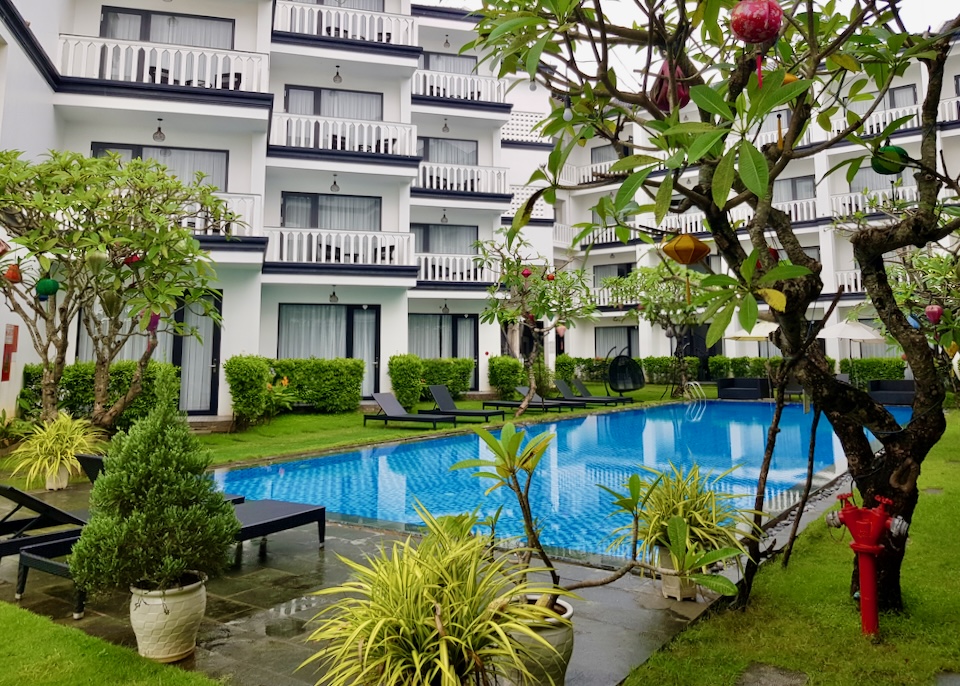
336,77
443,219
334,187
567,108
446,41
446,127
533,84
333,298
445,309
159,136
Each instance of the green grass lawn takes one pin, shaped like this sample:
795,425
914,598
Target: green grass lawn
309,434
802,618
36,652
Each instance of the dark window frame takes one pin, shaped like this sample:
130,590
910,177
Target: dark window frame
889,97
630,352
455,338
136,150
318,95
426,146
315,206
146,15
793,186
429,228
428,55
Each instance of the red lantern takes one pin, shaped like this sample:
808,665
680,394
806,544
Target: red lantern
526,273
756,21
4,248
13,274
774,253
561,330
133,259
934,312
550,277
661,88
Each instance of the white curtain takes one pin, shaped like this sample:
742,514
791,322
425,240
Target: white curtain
800,188
430,336
604,271
185,163
466,337
452,64
904,96
365,347
348,213
603,153
312,331
616,337
297,211
194,31
132,349
445,239
122,62
872,181
769,124
301,101
195,364
447,151
351,105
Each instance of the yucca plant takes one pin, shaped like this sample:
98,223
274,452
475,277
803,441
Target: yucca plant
441,613
50,447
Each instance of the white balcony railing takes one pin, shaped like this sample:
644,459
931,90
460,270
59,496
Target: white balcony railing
587,173
322,133
326,246
454,268
799,210
328,21
950,110
766,137
522,127
463,178
563,235
851,281
442,84
247,207
847,204
878,121
137,62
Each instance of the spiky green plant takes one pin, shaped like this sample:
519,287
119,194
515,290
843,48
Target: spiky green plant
50,446
443,613
688,556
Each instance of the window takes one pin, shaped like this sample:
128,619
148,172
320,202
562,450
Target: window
617,340
603,153
452,64
799,188
447,151
901,96
184,163
609,271
162,27
334,212
435,336
329,102
445,239
870,180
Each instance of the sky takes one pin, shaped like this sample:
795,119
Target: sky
920,14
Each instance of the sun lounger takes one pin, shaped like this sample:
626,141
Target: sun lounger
444,403
536,403
392,411
588,396
569,396
258,518
17,532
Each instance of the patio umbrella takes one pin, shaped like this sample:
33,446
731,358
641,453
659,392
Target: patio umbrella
760,332
853,331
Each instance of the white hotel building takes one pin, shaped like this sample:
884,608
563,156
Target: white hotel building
365,156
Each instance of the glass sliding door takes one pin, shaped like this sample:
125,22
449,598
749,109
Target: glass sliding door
366,346
437,336
199,361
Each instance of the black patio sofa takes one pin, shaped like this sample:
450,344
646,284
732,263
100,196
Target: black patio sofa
892,391
743,388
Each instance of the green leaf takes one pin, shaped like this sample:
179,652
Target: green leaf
702,144
722,280
782,273
690,127
785,94
711,101
511,26
628,189
843,61
723,178
753,169
749,266
664,195
633,161
720,323
748,312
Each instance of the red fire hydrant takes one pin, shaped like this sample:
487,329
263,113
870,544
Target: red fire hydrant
867,526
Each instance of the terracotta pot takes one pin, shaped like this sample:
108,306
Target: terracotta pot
166,622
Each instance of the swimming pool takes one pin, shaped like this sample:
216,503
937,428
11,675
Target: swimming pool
381,484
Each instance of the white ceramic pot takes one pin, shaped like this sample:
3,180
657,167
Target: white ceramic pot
547,665
673,586
166,622
58,481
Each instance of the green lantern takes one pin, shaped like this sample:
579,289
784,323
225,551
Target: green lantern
47,287
889,159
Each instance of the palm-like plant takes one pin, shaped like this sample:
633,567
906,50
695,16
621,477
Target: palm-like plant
51,446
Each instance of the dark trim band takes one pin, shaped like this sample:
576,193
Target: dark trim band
373,48
292,153
464,195
460,104
391,270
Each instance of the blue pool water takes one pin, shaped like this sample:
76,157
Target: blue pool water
382,483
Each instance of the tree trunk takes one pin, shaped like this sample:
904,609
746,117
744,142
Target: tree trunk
49,401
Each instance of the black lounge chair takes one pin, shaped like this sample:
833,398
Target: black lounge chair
393,412
258,518
18,532
536,403
444,403
568,395
587,396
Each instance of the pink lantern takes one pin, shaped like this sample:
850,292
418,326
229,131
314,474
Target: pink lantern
756,21
561,330
934,312
661,88
154,322
526,273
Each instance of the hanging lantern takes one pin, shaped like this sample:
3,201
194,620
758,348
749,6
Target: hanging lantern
889,160
526,272
133,259
933,312
4,248
953,350
661,88
47,287
774,253
96,261
561,330
686,249
756,21
154,322
12,274
550,277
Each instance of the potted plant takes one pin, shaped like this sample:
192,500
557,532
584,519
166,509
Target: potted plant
47,452
158,527
433,613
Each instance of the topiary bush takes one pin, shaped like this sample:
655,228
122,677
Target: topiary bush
659,369
406,378
760,366
719,366
739,366
565,367
593,368
505,373
248,376
872,368
156,515
455,373
332,386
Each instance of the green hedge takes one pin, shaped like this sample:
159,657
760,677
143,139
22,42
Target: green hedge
505,374
719,366
248,376
592,368
456,373
566,367
330,386
406,379
76,390
662,370
870,368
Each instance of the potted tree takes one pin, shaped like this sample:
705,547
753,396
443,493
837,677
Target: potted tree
433,613
158,527
47,452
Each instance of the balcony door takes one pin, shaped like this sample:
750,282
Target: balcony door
439,336
184,163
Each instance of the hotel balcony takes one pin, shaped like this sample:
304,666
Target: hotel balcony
461,178
129,61
949,110
847,204
328,21
248,209
851,281
440,84
458,269
314,132
332,248
879,120
588,173
563,235
605,297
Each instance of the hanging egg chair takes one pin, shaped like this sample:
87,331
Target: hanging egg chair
625,375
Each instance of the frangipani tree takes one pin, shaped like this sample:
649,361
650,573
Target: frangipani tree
529,294
830,69
108,243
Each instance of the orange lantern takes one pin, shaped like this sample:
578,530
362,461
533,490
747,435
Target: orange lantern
686,249
12,274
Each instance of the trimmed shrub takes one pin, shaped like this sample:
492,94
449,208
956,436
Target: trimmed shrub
76,390
872,368
455,373
739,366
543,376
406,378
658,369
832,364
330,386
593,368
719,366
505,373
248,376
759,366
692,365
565,367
